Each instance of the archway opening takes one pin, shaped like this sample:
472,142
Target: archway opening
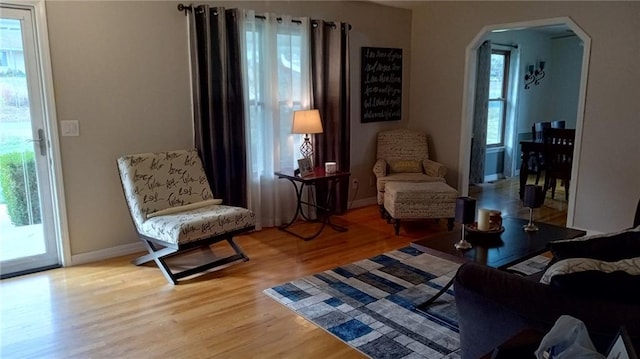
484,34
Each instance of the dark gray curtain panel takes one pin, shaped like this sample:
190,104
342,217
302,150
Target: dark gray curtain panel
480,113
330,95
219,120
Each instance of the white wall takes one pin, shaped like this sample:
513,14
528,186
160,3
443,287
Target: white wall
564,76
607,183
121,69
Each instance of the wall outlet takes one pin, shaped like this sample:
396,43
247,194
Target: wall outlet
355,183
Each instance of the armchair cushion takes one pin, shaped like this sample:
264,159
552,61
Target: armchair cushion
405,166
195,224
157,181
186,207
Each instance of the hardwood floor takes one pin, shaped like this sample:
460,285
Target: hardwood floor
503,195
113,309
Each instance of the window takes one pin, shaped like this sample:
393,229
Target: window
497,107
277,81
277,86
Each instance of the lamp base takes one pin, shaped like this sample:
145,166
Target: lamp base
530,227
306,149
463,244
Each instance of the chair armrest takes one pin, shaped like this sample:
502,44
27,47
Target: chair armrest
433,168
380,168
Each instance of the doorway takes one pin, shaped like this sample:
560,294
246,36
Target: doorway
29,220
469,96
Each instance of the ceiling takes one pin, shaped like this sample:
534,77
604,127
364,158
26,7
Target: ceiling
550,30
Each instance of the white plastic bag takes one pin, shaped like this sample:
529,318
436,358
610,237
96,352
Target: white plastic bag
568,338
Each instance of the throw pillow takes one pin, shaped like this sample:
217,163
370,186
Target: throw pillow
405,166
183,208
605,247
618,280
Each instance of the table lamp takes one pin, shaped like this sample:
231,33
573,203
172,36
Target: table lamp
465,214
306,122
533,198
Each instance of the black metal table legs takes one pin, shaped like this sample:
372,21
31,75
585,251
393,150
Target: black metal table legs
323,213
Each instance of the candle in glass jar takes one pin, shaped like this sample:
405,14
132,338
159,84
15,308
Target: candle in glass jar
330,167
483,219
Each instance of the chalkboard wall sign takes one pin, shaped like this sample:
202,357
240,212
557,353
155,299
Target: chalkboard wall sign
381,84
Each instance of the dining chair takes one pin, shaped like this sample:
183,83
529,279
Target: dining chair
558,154
537,164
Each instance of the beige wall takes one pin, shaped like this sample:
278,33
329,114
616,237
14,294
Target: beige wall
121,69
607,185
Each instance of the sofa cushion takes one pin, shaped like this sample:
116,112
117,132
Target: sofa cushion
619,280
605,247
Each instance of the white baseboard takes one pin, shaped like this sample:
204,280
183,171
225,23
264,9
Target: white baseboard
137,247
103,254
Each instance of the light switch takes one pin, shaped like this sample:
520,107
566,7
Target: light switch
70,128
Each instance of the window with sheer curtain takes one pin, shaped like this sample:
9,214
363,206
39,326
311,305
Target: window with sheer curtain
278,82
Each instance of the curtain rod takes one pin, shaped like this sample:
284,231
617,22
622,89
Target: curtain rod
187,8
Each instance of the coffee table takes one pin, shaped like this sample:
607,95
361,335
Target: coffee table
500,251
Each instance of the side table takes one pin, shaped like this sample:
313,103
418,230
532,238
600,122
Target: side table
324,210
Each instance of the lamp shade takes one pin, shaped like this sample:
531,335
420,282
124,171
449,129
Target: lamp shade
533,196
465,209
306,121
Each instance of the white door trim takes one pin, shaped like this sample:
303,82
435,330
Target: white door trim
469,94
51,125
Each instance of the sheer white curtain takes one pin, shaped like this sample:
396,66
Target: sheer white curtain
278,82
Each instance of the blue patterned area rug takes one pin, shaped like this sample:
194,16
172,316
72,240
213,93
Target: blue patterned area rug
370,304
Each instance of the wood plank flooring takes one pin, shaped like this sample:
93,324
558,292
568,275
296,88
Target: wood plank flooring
113,309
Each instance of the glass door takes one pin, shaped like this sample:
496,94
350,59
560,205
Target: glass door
28,241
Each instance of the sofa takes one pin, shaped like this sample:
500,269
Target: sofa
494,305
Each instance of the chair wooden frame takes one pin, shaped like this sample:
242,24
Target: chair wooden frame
159,251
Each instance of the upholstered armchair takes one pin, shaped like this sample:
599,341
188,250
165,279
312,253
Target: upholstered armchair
174,212
403,156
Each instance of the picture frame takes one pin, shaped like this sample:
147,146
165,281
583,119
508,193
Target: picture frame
305,167
622,348
381,84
